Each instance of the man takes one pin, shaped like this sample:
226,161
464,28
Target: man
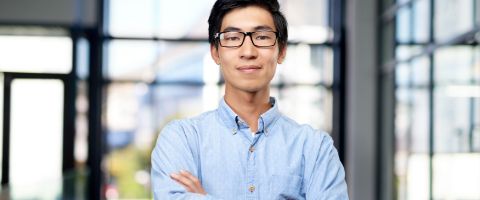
246,149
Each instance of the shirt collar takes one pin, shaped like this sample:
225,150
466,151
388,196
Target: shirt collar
233,121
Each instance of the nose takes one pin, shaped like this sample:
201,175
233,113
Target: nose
248,50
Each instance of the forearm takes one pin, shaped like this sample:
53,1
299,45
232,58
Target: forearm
165,187
174,168
182,196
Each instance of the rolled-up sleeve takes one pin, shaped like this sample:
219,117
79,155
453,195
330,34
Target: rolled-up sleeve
173,152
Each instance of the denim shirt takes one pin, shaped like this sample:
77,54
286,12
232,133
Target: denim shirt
282,160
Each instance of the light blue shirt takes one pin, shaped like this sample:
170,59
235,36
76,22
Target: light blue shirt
284,160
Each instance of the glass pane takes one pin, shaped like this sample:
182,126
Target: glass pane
35,54
452,18
308,20
128,121
403,75
127,59
420,71
307,64
186,62
476,126
175,20
313,108
161,18
421,24
405,52
81,124
413,22
131,17
36,138
411,143
413,73
455,65
418,176
163,61
476,65
83,58
404,26
180,101
452,122
412,120
456,176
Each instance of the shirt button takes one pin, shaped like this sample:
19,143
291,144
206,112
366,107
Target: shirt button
251,188
251,149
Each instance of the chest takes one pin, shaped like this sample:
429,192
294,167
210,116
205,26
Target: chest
234,167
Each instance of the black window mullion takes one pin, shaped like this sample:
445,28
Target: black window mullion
69,115
336,20
7,81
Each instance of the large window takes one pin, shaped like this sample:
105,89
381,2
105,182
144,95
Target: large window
37,102
159,68
436,67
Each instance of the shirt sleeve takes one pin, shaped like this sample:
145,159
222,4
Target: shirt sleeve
326,175
174,152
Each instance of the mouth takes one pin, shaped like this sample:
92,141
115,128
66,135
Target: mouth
249,68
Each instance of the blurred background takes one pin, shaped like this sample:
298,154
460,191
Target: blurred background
86,86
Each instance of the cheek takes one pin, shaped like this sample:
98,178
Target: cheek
273,56
225,57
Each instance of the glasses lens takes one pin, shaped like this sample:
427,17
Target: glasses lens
264,38
231,39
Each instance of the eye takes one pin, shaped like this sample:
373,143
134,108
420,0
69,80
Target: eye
231,36
263,37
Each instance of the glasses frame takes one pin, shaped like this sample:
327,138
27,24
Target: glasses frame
245,34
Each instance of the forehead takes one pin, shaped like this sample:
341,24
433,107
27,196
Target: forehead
247,19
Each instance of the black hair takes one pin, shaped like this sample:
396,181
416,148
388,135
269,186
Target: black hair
222,7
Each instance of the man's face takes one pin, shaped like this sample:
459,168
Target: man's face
248,68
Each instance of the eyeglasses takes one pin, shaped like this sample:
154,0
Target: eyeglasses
236,39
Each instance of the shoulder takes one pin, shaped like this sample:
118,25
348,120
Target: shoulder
305,129
310,135
208,116
186,126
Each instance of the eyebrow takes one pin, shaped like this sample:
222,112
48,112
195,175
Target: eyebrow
257,28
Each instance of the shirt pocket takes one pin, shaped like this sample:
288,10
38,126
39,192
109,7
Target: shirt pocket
285,187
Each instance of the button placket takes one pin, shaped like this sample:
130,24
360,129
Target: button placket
251,184
251,188
251,149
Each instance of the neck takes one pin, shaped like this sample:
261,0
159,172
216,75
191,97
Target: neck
249,106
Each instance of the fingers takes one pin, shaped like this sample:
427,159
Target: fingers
188,181
182,180
190,177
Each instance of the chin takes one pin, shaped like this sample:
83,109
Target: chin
250,86
253,89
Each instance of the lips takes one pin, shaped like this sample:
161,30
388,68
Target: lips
248,68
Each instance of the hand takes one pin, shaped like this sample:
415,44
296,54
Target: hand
188,181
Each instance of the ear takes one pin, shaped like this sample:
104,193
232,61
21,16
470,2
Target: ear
282,54
214,54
